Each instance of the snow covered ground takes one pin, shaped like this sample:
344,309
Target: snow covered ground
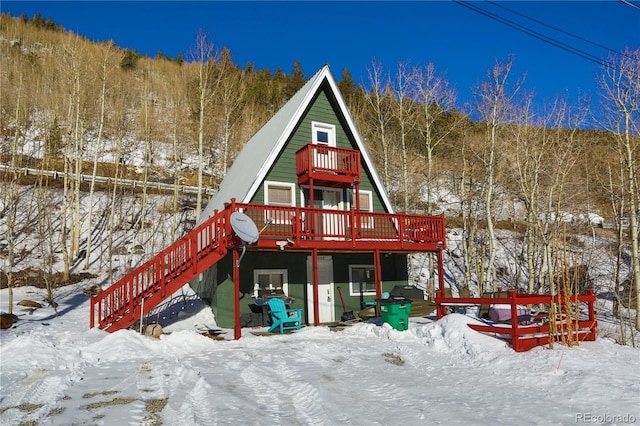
56,371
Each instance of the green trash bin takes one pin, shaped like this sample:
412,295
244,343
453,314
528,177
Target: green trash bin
395,312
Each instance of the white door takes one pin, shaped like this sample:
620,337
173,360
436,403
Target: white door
332,221
325,290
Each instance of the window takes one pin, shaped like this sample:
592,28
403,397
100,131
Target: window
362,280
279,194
270,279
323,134
366,205
366,201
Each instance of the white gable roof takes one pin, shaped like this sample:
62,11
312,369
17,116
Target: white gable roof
251,166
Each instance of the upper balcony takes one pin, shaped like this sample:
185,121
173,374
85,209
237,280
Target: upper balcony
328,166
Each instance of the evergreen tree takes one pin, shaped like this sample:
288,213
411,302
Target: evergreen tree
129,60
347,86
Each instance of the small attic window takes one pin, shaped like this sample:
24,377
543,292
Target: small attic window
323,133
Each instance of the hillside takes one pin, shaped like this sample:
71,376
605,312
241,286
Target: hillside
519,190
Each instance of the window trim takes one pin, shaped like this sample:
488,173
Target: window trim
356,292
367,223
269,271
330,128
269,183
292,187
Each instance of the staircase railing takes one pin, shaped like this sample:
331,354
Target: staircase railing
137,293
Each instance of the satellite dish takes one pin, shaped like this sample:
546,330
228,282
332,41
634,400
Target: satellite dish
244,227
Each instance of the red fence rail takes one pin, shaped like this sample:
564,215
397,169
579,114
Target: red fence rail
523,337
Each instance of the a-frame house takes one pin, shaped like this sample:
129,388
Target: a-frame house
326,225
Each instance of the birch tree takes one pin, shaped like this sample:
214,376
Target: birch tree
402,112
205,58
530,150
382,113
494,98
230,99
106,65
436,98
620,95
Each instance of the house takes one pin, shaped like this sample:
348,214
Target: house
309,155
326,226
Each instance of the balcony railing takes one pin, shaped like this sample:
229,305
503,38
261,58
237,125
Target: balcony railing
327,164
346,228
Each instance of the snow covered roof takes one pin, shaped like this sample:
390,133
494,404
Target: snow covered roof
251,166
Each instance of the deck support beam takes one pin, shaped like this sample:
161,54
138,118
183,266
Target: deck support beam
236,295
316,304
440,309
378,277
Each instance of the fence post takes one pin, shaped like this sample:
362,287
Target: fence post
515,342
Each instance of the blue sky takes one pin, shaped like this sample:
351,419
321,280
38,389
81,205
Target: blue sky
461,43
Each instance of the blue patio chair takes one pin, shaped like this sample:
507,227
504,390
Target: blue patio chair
283,318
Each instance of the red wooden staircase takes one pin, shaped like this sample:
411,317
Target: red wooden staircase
144,288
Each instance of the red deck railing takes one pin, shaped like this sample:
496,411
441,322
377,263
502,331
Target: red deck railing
340,229
329,164
522,337
141,290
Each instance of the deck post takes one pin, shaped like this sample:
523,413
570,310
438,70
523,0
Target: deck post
378,277
440,309
236,295
515,342
92,308
316,304
591,336
312,214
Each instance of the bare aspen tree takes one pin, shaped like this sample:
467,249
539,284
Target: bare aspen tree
560,127
205,58
382,112
436,98
231,98
530,151
617,195
403,113
106,66
620,94
120,133
147,94
12,194
70,216
495,97
179,112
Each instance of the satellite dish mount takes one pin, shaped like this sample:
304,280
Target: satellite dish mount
245,228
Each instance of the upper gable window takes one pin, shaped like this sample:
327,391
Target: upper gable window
323,133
